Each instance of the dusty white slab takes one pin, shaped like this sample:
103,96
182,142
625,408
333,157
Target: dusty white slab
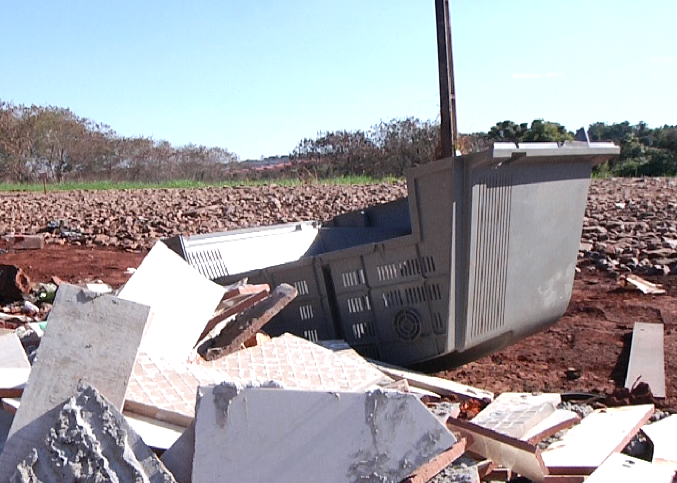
90,441
647,360
620,468
515,413
663,435
557,421
14,366
179,457
87,336
182,300
156,434
584,447
262,434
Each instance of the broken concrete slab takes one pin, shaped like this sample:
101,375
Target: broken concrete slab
557,421
263,434
179,457
158,435
14,283
182,301
662,435
250,321
620,468
647,360
5,423
90,441
25,242
584,447
14,366
514,413
512,453
87,336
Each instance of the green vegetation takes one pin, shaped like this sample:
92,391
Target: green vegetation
76,153
184,184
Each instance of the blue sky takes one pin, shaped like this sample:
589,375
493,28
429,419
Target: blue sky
256,77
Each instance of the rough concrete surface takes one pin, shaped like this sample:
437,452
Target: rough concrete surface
87,336
90,441
182,301
261,434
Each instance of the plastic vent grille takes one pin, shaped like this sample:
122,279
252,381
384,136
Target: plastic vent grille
412,295
407,324
353,278
405,269
491,254
311,335
358,304
208,262
306,312
362,329
301,287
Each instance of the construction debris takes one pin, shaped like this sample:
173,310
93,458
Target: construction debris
89,441
584,447
646,287
177,294
87,336
272,434
647,361
115,376
14,366
25,242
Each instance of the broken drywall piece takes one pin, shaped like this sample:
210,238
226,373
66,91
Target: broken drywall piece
514,413
515,454
646,287
557,421
428,470
647,359
90,441
584,447
260,434
662,435
87,336
14,366
440,386
182,300
620,468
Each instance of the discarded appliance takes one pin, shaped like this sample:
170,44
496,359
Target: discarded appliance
481,254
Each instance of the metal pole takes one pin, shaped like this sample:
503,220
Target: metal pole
446,73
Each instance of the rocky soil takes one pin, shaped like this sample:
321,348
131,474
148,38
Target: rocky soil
630,224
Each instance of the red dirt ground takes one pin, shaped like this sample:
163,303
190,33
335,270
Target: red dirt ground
593,337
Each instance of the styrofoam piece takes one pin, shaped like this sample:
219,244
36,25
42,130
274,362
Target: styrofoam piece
87,336
182,300
263,434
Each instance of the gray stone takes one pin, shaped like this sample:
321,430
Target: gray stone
87,336
261,434
90,441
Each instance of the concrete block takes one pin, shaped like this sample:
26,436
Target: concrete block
14,366
90,441
182,300
263,434
25,242
87,336
515,414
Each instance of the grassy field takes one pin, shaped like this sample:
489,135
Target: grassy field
130,185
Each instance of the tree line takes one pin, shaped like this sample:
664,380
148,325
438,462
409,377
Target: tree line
38,141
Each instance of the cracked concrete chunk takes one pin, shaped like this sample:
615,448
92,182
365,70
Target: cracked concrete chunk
90,441
89,337
263,434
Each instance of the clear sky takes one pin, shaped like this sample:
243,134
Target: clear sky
257,76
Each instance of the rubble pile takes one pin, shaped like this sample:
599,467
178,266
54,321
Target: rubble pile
172,378
630,224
